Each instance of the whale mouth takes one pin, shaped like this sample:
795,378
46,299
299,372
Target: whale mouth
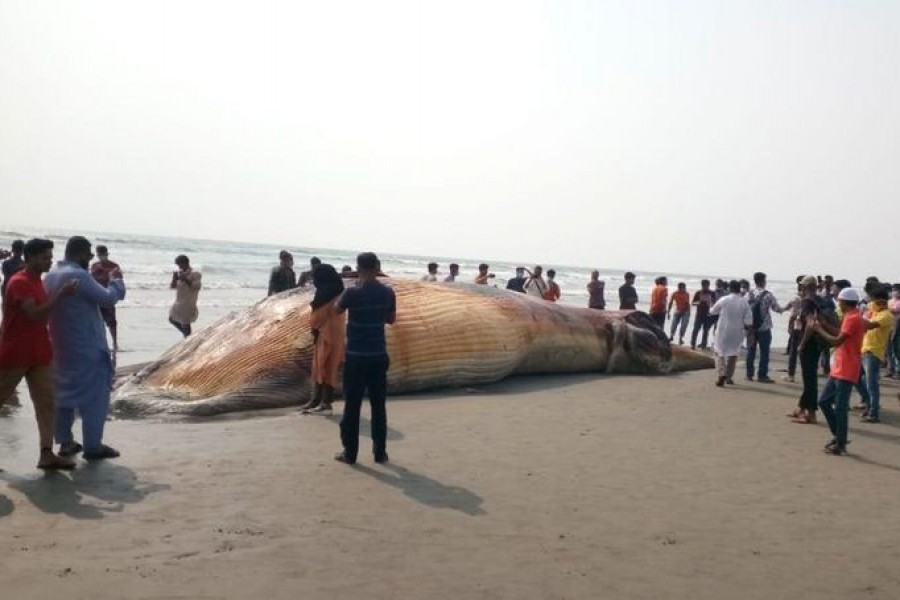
646,344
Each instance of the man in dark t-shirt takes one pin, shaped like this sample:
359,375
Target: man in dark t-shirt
371,305
12,265
283,276
628,297
517,283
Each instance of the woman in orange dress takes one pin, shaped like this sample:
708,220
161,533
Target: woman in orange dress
328,331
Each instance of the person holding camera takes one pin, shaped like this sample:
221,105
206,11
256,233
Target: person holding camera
186,282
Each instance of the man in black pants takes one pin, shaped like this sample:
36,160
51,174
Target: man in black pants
371,305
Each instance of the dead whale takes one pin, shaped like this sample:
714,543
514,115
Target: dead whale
446,335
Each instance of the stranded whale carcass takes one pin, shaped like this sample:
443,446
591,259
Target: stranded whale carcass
445,335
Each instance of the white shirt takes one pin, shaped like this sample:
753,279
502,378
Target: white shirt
734,314
536,286
429,278
450,278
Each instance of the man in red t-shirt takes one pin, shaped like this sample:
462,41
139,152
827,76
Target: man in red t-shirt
101,271
25,350
845,368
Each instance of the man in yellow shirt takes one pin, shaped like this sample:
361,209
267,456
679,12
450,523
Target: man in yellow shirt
879,323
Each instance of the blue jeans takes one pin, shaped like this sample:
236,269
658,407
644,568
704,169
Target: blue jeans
894,353
764,339
872,365
835,405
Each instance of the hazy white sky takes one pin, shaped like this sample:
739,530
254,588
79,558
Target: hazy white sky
693,136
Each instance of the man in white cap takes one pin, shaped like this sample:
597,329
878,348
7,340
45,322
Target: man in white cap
845,369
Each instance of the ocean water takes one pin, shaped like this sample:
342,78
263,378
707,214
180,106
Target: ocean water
235,275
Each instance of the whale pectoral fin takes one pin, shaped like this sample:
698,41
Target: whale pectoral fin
647,346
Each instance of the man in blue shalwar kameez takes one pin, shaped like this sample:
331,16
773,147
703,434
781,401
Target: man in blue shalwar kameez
82,362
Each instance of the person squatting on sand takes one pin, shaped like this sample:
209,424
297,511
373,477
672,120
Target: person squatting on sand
371,306
100,271
735,318
328,332
682,301
25,349
82,363
186,282
282,277
845,370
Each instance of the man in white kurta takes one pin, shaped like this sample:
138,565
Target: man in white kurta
735,316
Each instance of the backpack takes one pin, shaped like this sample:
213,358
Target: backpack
756,310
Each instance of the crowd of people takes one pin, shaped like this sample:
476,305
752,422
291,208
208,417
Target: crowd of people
52,336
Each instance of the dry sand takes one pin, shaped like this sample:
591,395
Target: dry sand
542,487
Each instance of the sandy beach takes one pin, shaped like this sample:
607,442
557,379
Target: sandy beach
539,487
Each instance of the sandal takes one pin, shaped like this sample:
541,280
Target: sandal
104,453
53,462
70,449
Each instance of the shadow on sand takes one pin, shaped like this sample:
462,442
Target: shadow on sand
6,506
427,491
88,492
365,428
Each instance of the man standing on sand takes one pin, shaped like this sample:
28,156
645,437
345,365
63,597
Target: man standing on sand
845,370
879,324
187,283
82,362
762,303
658,299
682,301
553,292
628,297
100,271
306,276
517,283
282,277
454,273
25,349
704,299
595,289
483,274
536,286
431,276
734,318
371,306
12,265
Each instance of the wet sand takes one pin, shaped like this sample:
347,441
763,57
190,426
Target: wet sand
539,487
